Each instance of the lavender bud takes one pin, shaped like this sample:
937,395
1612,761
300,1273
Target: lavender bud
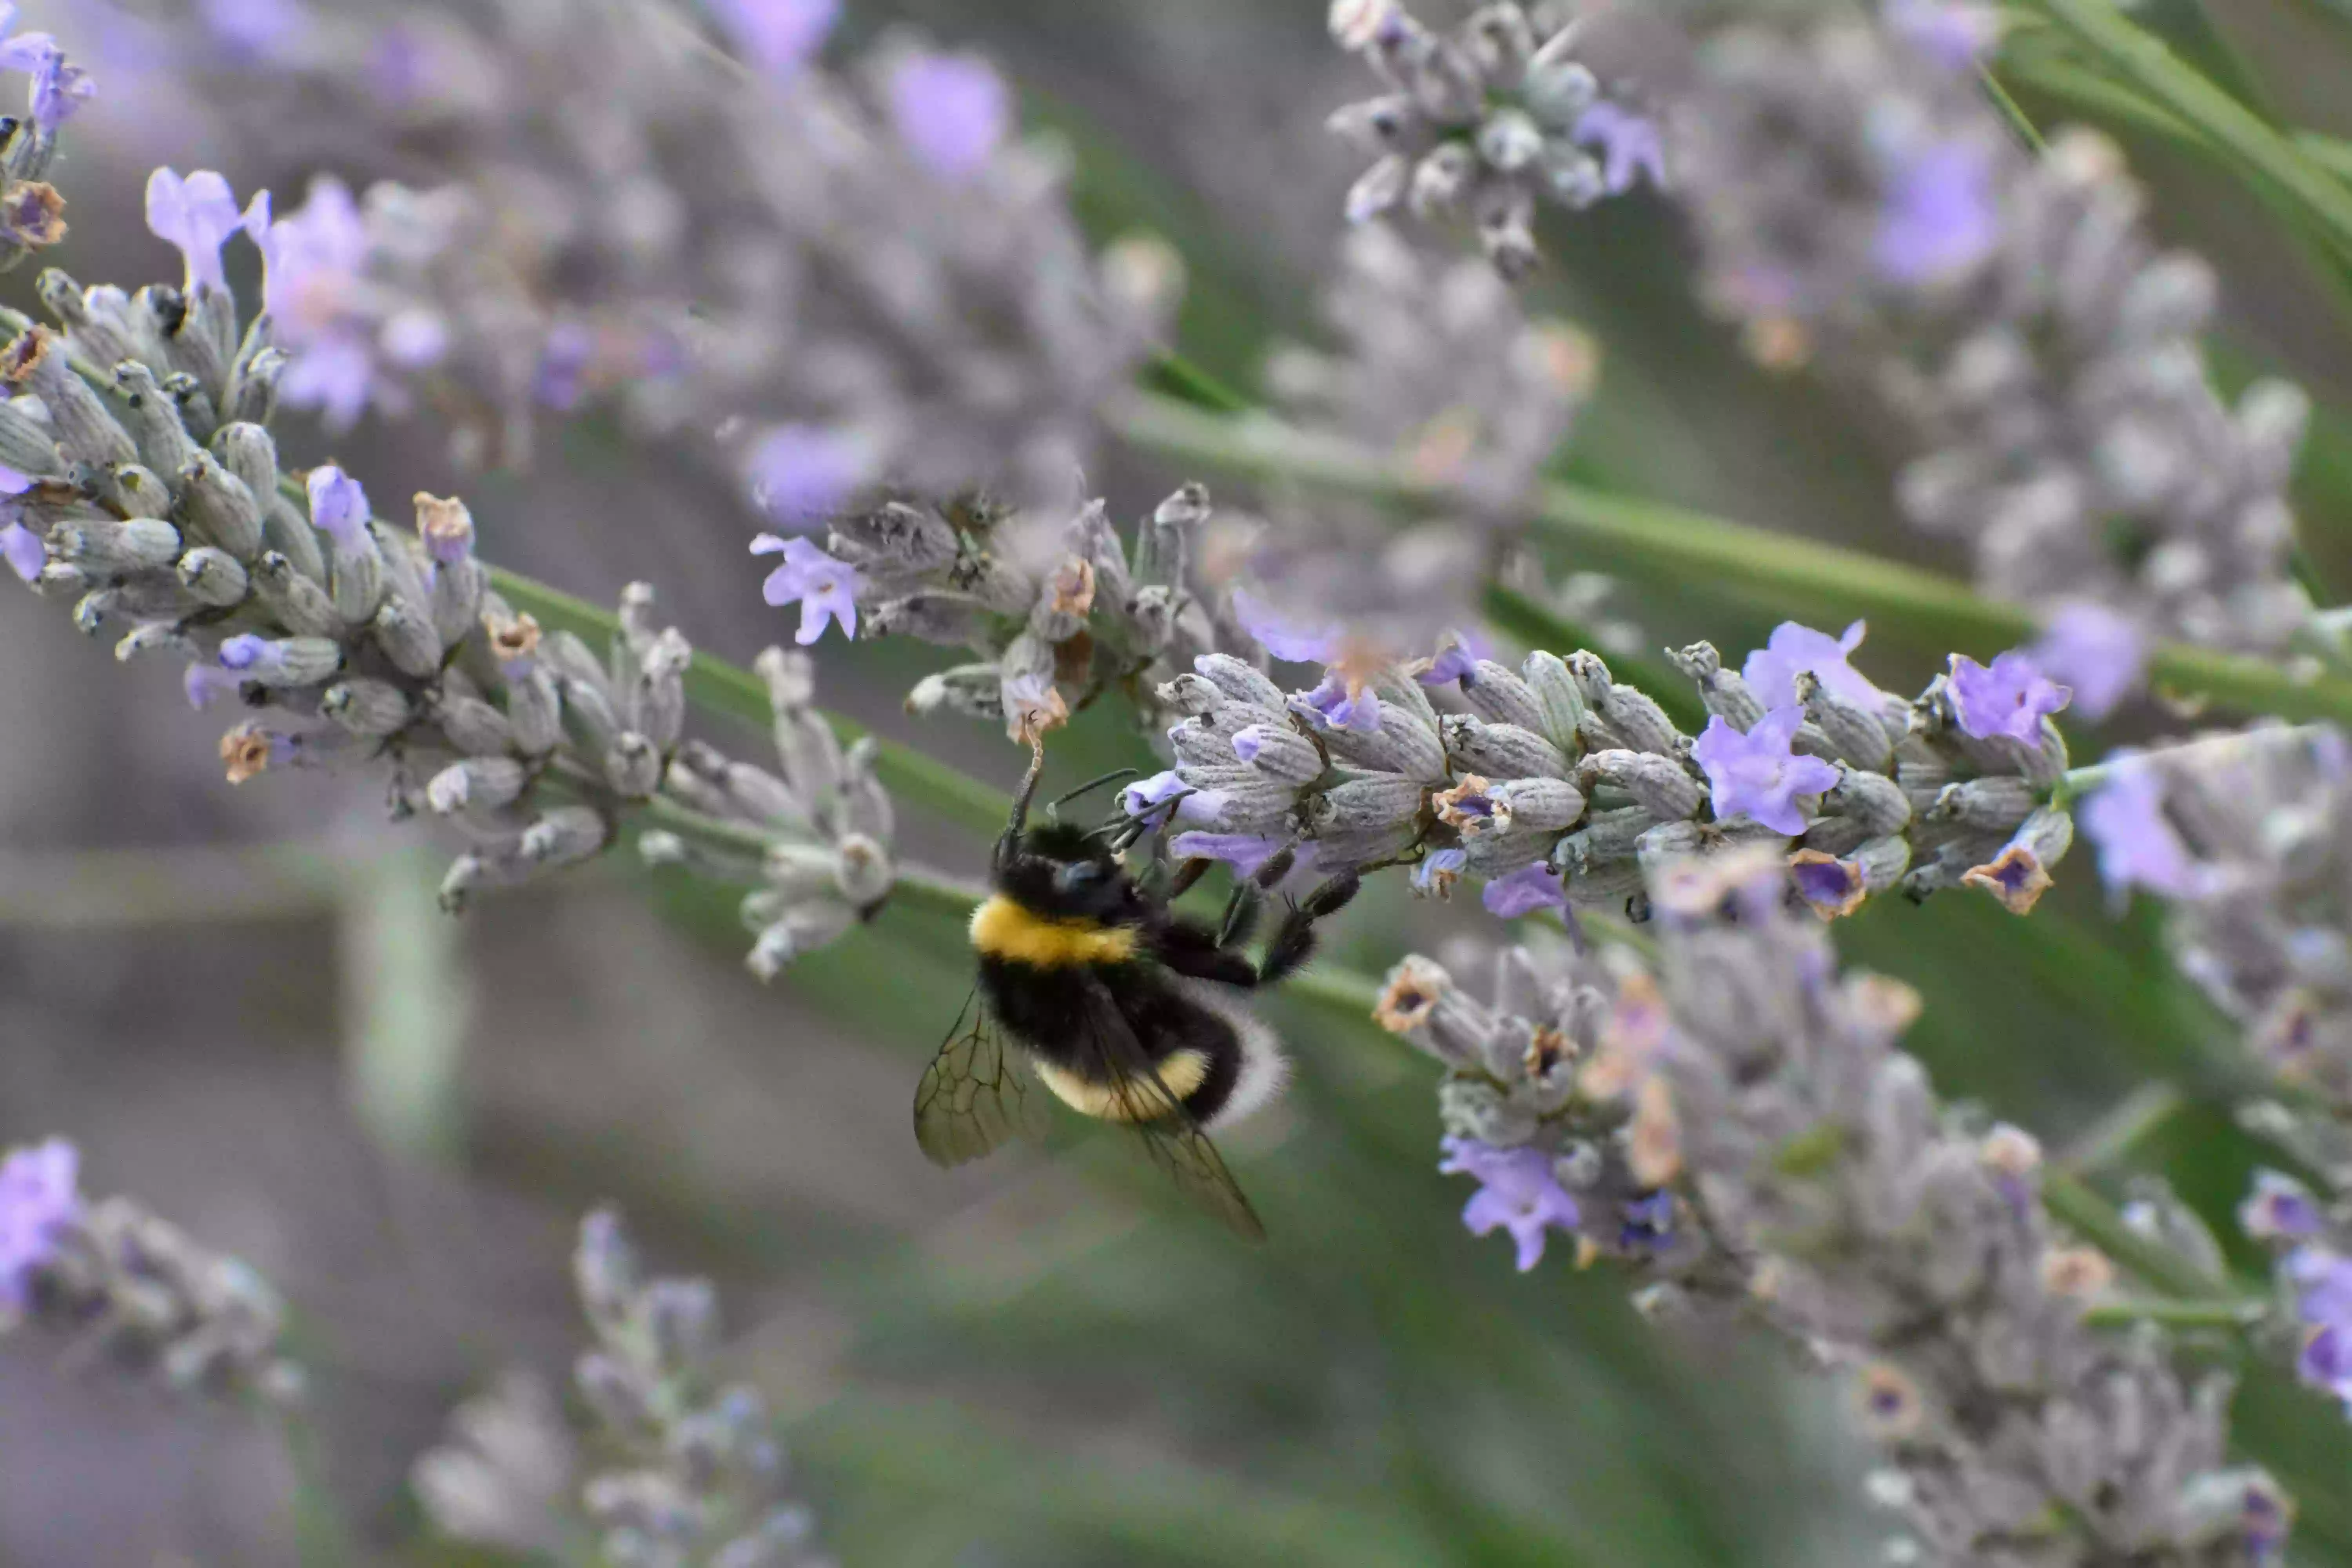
1503,751
375,709
1499,697
26,444
220,508
477,783
287,662
634,766
1560,699
215,577
1659,785
564,837
1360,804
298,601
474,727
536,710
407,639
1535,805
154,418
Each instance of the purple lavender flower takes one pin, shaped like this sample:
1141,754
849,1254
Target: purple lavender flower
21,547
1939,218
38,1200
339,507
1247,853
1150,797
1517,1192
1457,657
2323,1279
25,51
1340,703
196,215
1756,774
2138,848
2009,698
1954,34
826,589
59,87
1285,636
1438,871
803,474
563,362
2097,654
1524,891
1772,670
779,36
2279,1208
1629,144
257,30
953,111
207,684
314,285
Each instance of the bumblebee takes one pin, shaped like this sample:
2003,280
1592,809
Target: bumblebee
1093,989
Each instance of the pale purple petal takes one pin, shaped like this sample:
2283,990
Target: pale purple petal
778,36
1288,638
1518,1192
1772,670
1954,34
2011,697
2279,1209
1630,146
1245,852
59,88
953,111
803,475
1940,217
1756,774
2099,655
38,1201
1334,705
25,552
1524,891
196,215
339,506
13,483
206,685
2137,845
826,589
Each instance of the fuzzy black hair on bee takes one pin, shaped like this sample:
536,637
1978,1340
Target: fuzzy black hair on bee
1122,1009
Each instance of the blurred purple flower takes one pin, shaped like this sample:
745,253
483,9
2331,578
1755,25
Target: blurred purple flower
1517,1192
953,111
1756,774
1940,217
1772,670
779,36
313,262
2138,847
1954,34
1524,891
196,215
339,507
1285,636
1629,144
38,1200
2279,1209
2009,698
21,547
257,30
563,362
2097,654
25,51
826,589
205,684
1245,852
59,87
803,474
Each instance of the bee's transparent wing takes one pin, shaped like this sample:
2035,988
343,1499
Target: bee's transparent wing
1171,1137
974,1096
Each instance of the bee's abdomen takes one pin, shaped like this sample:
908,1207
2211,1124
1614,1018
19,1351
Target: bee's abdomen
1197,1052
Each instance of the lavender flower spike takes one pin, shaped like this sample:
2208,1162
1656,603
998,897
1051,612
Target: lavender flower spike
1756,774
196,215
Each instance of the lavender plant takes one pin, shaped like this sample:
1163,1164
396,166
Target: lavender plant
678,1470
861,294
1743,1126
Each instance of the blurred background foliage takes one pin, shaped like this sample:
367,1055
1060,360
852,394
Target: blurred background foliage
247,1008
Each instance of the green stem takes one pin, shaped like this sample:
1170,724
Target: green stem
2217,1314
2139,57
1179,378
2114,1137
2151,1262
1670,545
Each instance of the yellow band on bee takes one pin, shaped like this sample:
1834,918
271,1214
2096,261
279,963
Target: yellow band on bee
1182,1072
1002,928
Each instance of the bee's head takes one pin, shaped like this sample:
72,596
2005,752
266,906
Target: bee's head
1061,872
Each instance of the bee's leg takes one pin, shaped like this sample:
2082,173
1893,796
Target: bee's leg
1190,873
1294,940
1008,846
1190,948
1242,911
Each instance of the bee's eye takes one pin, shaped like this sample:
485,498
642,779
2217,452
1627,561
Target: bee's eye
1079,875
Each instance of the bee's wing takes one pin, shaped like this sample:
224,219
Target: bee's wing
1171,1136
974,1096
